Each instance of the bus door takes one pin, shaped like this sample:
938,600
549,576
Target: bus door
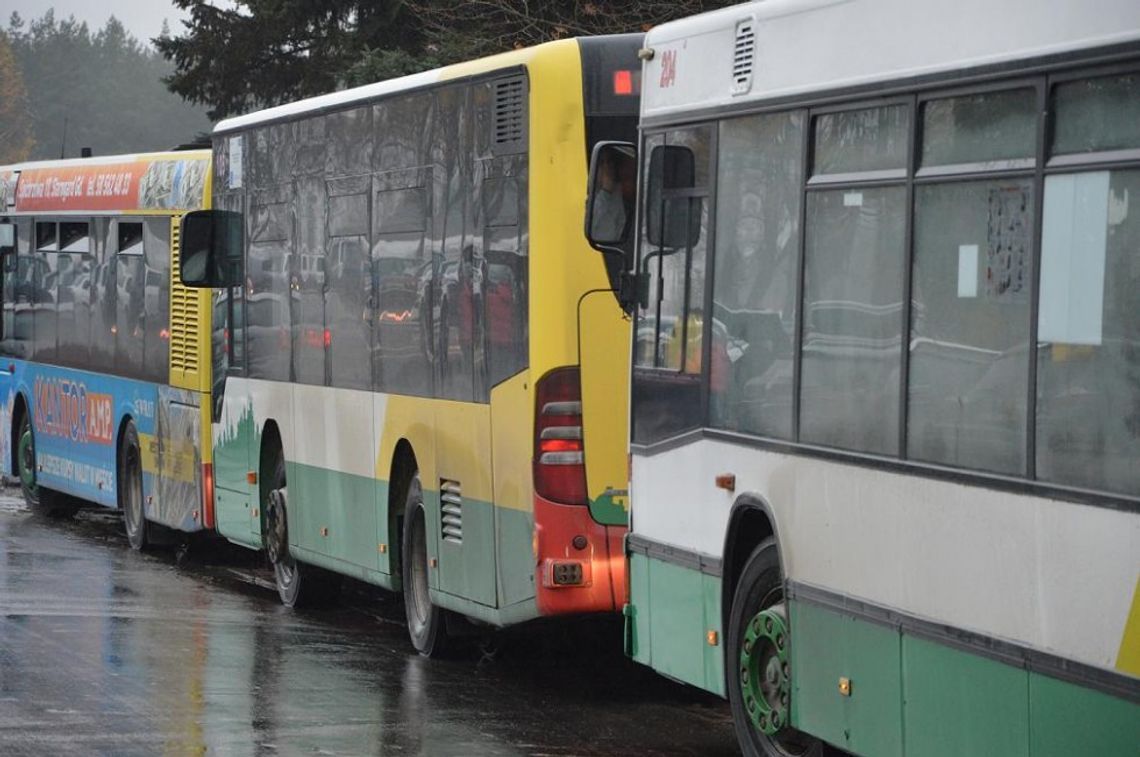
8,280
235,430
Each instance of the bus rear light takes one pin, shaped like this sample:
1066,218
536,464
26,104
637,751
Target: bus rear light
559,469
207,495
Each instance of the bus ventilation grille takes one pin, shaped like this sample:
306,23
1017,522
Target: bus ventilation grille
742,56
508,120
451,503
183,313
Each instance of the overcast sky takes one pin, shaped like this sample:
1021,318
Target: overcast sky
143,18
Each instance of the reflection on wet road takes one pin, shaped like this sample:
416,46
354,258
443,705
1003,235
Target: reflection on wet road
106,651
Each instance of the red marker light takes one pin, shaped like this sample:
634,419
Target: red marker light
623,82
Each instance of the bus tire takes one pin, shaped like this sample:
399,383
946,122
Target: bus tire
761,588
299,585
130,490
41,501
427,623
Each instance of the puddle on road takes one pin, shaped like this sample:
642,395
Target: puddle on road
116,652
11,501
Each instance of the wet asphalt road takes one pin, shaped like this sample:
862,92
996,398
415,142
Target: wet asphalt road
105,651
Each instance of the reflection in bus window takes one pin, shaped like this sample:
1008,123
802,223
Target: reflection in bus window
452,285
1088,359
853,283
348,293
1096,115
130,308
871,140
268,284
502,278
755,280
670,326
403,274
103,293
970,324
156,298
987,130
46,239
73,293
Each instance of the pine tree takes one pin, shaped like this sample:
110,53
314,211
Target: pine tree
99,89
266,52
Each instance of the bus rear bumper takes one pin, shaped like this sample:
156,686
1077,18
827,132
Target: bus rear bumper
581,565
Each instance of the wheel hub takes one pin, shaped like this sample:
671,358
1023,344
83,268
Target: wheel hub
276,534
765,672
27,458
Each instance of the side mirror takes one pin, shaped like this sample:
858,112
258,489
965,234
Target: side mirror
612,197
7,238
211,249
673,220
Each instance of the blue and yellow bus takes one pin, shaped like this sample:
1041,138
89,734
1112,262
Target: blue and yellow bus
104,380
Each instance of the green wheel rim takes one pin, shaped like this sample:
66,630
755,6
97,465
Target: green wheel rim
25,454
765,672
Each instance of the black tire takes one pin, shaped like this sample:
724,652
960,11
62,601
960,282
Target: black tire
427,624
298,584
130,490
41,501
761,587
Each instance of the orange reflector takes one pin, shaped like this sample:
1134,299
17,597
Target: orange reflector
208,495
251,477
623,82
726,481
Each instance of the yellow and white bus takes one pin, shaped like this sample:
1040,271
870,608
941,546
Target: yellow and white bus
885,475
418,360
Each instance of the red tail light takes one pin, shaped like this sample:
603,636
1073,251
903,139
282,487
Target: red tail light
559,463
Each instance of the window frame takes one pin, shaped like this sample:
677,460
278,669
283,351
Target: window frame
708,194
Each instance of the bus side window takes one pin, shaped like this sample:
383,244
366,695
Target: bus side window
504,276
759,191
130,295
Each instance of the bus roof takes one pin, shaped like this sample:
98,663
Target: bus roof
777,49
159,181
346,97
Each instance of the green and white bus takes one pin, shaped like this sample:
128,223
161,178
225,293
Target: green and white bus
885,460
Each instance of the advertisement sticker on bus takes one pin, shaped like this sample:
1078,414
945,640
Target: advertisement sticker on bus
65,408
128,185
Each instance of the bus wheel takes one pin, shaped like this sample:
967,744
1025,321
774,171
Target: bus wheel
427,624
39,500
298,585
131,489
759,679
